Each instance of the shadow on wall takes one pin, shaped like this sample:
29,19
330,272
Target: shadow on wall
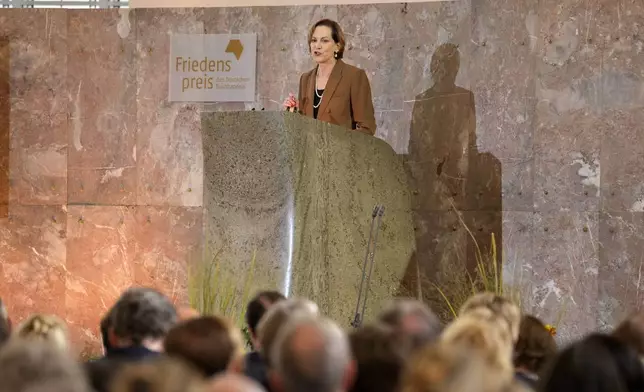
5,124
446,171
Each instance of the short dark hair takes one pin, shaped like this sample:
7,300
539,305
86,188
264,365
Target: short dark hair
536,346
381,353
258,306
631,332
208,343
336,34
142,313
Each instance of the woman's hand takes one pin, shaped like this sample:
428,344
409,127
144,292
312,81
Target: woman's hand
290,103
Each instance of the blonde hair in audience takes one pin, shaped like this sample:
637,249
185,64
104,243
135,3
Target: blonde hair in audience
443,368
39,366
490,305
488,339
165,375
46,328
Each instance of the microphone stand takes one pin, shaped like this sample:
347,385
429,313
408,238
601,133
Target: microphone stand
378,211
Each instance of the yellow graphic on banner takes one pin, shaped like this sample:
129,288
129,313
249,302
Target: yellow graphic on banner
235,47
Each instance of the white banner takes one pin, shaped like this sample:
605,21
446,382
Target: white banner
213,67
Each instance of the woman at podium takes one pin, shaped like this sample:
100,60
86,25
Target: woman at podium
335,91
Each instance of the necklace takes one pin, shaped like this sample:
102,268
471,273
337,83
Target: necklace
317,94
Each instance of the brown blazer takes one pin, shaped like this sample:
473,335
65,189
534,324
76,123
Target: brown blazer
346,100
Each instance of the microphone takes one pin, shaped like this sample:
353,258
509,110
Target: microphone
376,219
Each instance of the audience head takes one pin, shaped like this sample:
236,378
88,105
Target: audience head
443,368
631,332
598,363
46,328
256,309
165,375
535,347
311,354
486,338
413,318
36,366
278,316
207,343
229,382
489,305
380,353
142,316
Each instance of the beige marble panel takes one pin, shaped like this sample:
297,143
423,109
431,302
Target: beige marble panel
502,67
169,167
33,267
517,184
568,167
565,268
569,117
620,267
622,158
99,239
101,77
36,105
165,241
5,125
518,253
623,77
110,248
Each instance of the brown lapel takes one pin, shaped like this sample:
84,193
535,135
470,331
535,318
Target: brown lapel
310,92
331,85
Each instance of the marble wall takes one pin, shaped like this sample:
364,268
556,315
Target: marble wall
537,139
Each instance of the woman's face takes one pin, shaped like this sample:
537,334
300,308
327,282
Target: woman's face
322,45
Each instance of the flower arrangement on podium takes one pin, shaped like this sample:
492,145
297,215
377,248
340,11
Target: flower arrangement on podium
290,103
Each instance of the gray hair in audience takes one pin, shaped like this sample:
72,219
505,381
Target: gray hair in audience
231,382
39,367
414,318
142,313
277,316
311,354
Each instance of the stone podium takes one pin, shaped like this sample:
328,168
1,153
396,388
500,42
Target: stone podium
299,193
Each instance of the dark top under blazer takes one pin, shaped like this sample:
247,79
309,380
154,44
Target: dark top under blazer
346,101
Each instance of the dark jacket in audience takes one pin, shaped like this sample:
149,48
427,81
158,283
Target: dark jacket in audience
255,368
598,363
102,371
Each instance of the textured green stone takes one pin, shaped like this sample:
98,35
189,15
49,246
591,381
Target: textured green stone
300,193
